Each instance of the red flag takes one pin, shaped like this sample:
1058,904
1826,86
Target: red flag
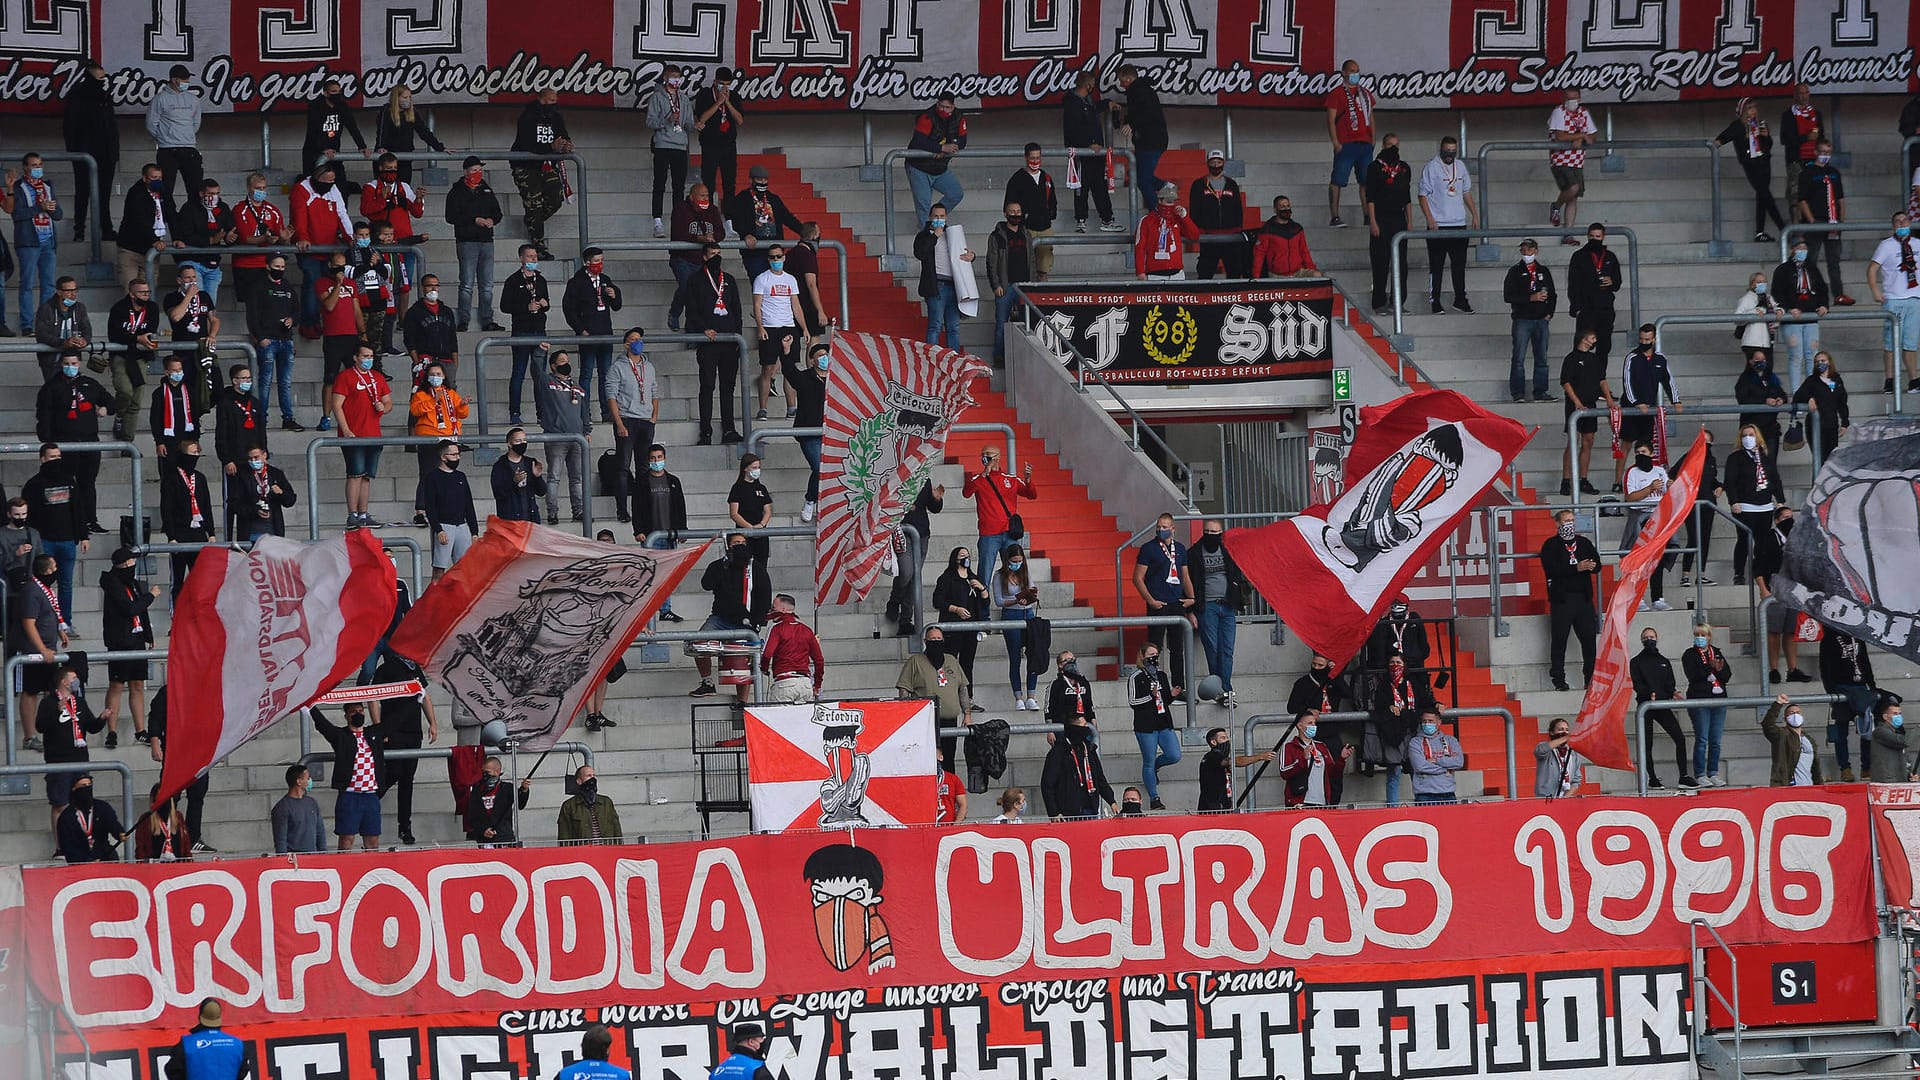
261,634
1415,470
890,403
531,619
1598,732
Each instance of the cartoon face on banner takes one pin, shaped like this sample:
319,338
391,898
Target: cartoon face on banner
1327,464
846,883
1386,514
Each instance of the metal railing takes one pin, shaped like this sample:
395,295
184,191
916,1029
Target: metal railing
1083,368
1494,576
1187,634
1717,247
51,768
96,206
1808,228
403,543
317,760
1402,342
468,438
136,504
1698,958
409,252
1140,536
751,445
573,342
16,663
1660,322
894,262
578,173
1248,787
839,249
1578,499
1645,707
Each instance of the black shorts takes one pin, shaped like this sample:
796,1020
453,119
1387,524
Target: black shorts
1635,428
1587,424
37,678
128,671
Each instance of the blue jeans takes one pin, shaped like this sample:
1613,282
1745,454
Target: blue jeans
1002,309
1393,784
1421,798
662,544
211,276
1800,341
923,187
1158,749
810,449
943,314
522,358
1528,332
1217,631
682,270
476,265
1708,725
276,367
1144,177
594,358
35,262
312,269
1017,650
66,555
986,554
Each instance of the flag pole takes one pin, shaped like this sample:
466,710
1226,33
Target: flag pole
1262,770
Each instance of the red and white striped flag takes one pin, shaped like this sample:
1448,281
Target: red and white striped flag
531,619
261,634
890,404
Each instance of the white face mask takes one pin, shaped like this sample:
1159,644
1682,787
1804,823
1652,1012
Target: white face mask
433,296
1749,442
1528,259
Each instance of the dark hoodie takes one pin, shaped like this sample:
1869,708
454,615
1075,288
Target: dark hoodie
956,590
1072,783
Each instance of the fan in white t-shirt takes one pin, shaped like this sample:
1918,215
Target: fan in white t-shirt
783,329
1645,485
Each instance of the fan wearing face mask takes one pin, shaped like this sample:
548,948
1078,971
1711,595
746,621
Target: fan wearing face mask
1216,593
1893,761
1573,128
670,120
186,506
588,817
1822,200
1796,760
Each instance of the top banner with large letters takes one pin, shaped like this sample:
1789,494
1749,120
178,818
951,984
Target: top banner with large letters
448,931
250,55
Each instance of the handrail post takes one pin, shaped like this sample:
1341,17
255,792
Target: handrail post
1718,247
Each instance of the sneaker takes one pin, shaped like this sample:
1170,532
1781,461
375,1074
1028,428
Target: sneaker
1461,303
1644,606
1887,387
1225,700
761,415
1561,685
1019,703
514,419
792,411
1762,238
1662,605
419,519
1705,580
1587,488
406,836
1555,214
143,738
1654,784
705,689
1336,223
325,424
1689,782
1686,580
622,515
807,511
1773,675
659,230
673,323
578,516
1080,226
33,743
1566,488
1156,804
1438,309
605,720
1843,300
977,707
492,327
1568,241
1542,395
1846,776
1032,705
1519,399
96,528
1914,386
705,439
290,424
553,517
1112,226
1796,675
730,438
113,740
593,722
668,615
1738,579
201,847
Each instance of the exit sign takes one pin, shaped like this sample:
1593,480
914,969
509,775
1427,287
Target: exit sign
1342,384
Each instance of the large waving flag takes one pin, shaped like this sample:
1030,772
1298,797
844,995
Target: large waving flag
531,619
1853,557
1598,732
890,404
260,634
1415,470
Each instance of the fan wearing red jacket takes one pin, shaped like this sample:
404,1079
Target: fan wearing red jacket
1159,250
1314,774
391,200
1280,247
320,219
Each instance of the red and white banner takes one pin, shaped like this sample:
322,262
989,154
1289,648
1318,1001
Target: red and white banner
1569,1015
865,55
890,404
1416,468
258,635
660,925
13,960
1598,732
1896,821
531,619
841,764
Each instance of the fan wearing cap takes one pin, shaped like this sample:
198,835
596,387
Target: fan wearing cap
173,119
1032,188
1159,249
1796,761
1220,210
757,215
717,119
748,1058
473,210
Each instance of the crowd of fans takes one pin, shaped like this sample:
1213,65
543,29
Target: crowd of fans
355,247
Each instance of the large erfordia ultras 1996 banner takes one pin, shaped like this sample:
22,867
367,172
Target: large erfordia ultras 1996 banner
1168,942
247,55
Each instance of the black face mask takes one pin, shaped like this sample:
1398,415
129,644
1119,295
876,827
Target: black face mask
590,787
1390,155
49,577
1076,733
81,798
187,461
19,521
1130,808
738,553
563,369
321,187
936,652
1283,215
492,781
1645,461
1651,644
276,276
124,573
1210,541
1596,242
517,448
714,263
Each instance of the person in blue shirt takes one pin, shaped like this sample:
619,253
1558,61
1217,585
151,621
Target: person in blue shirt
595,1044
207,1053
748,1060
